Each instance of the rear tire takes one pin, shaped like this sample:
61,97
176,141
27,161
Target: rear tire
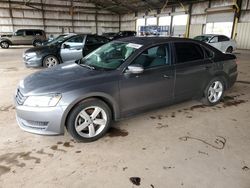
89,120
229,49
5,44
214,91
50,61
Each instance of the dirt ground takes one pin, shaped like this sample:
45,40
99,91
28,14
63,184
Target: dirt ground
185,145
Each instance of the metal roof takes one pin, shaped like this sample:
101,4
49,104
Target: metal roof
130,6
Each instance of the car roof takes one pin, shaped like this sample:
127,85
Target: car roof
30,30
212,35
153,40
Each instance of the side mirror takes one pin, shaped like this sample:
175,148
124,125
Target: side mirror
65,46
135,69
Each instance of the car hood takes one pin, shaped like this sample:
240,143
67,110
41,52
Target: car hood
59,79
40,49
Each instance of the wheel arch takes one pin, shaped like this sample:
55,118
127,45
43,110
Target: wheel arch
100,96
6,40
36,39
224,76
220,74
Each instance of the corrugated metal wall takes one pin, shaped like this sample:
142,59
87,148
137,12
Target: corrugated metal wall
60,16
243,36
195,29
57,16
128,22
243,27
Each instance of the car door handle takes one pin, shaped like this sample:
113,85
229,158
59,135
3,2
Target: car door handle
166,76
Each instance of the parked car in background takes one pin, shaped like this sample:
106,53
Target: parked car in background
50,39
33,37
123,34
63,49
221,42
122,78
109,35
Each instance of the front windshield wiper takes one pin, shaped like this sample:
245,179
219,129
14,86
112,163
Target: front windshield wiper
88,66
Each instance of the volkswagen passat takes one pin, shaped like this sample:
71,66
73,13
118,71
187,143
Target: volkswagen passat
120,79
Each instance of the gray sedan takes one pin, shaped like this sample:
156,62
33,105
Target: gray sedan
119,79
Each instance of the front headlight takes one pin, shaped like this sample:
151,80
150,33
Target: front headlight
32,54
43,101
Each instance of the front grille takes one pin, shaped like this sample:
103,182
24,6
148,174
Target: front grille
35,125
20,98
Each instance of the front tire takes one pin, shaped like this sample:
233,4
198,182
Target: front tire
229,49
50,61
89,120
4,44
214,91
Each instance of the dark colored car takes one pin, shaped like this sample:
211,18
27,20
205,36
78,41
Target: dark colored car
119,79
23,37
123,34
109,35
63,49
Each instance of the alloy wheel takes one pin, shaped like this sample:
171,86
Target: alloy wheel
50,62
90,121
215,91
4,44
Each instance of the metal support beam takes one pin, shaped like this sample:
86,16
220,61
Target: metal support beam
189,20
43,15
96,22
120,23
72,15
164,6
11,16
171,23
237,14
129,8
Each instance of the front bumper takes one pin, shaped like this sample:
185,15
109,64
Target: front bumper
33,61
40,120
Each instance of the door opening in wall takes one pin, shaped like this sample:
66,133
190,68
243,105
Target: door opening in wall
222,28
150,26
179,25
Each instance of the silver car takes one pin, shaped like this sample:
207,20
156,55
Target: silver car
221,42
63,49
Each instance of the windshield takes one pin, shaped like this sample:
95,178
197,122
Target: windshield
58,40
110,56
203,38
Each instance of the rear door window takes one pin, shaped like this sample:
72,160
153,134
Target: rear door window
214,40
77,39
223,38
102,39
91,39
38,32
29,33
187,51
